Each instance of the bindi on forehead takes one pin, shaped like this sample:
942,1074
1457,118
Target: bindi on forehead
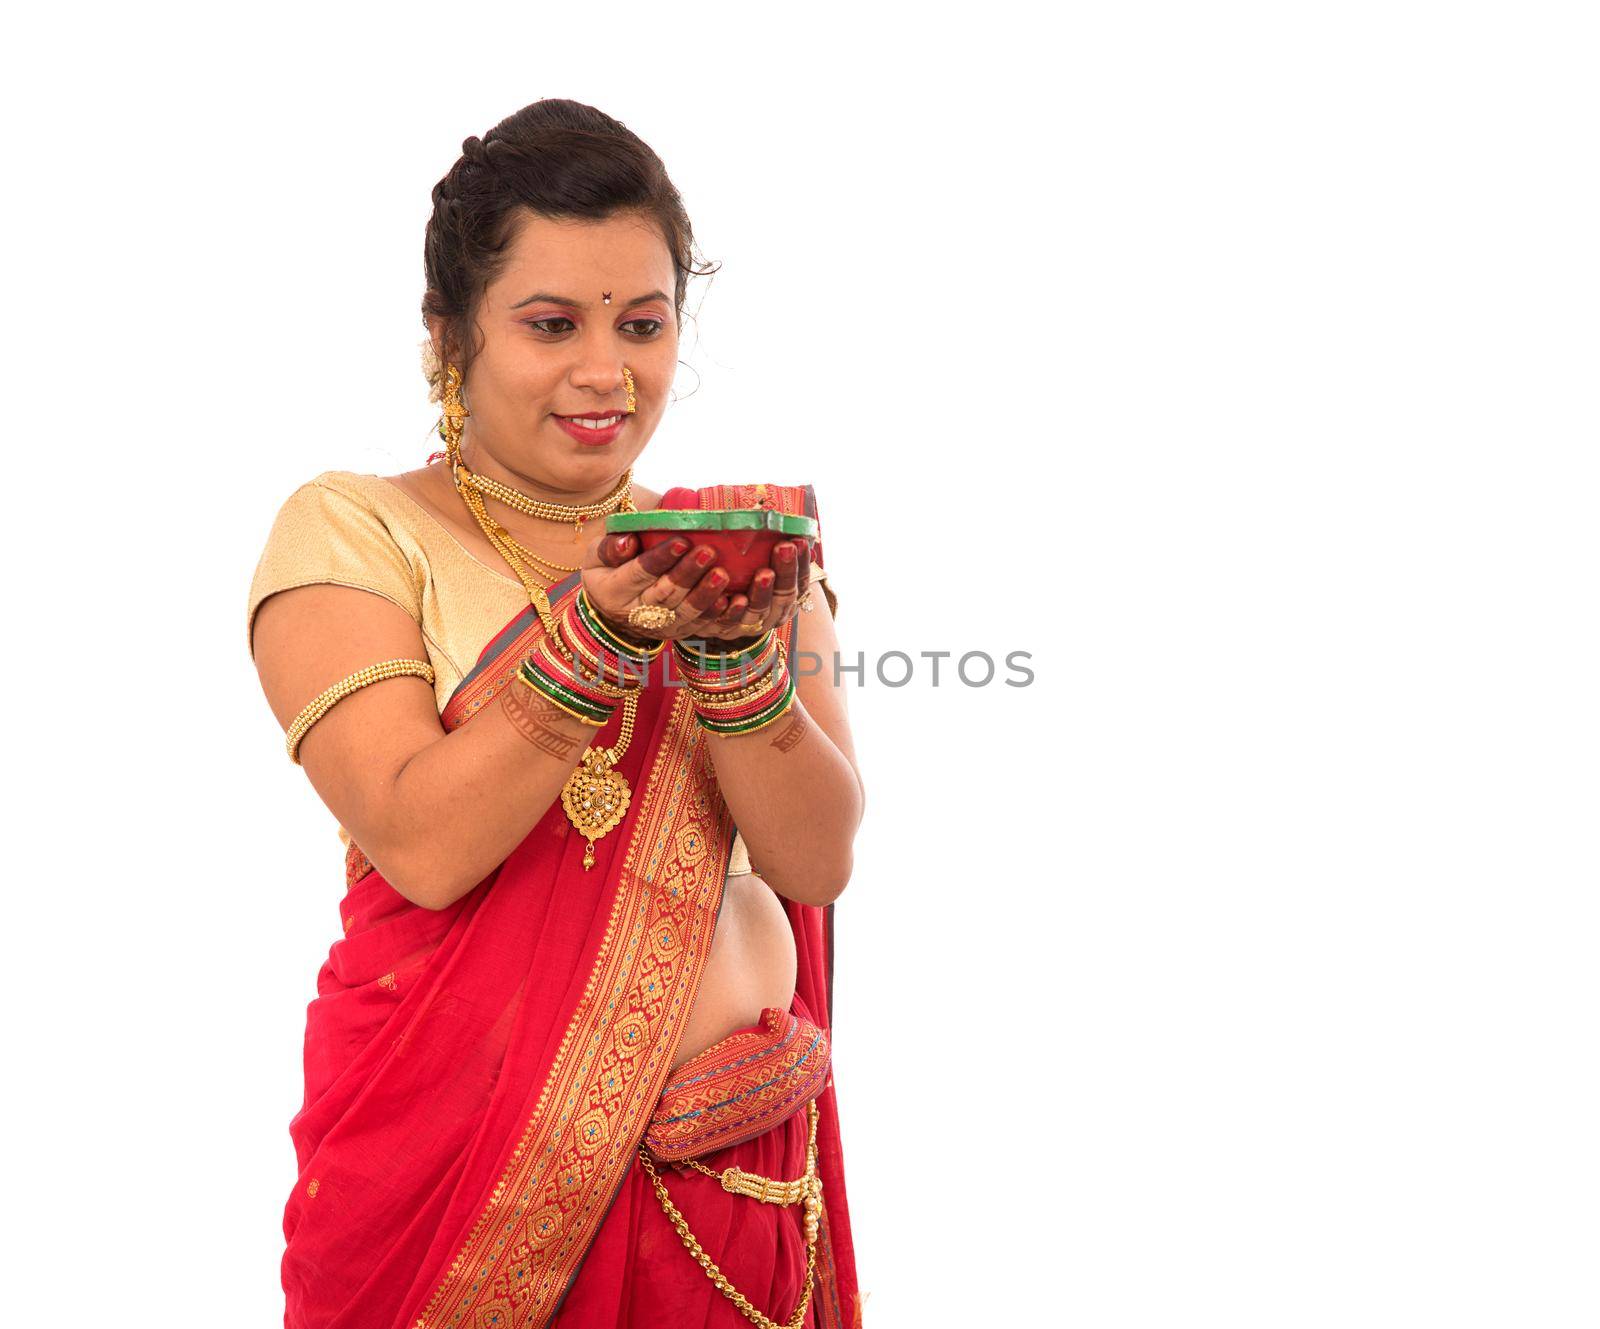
571,302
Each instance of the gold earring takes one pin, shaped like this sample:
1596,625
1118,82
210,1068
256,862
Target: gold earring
632,407
454,419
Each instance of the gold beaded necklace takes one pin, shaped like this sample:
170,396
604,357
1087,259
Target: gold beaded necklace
472,486
595,796
619,499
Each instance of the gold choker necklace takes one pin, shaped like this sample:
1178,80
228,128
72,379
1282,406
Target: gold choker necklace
620,499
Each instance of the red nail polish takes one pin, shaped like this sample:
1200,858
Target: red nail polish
717,578
786,553
680,547
705,556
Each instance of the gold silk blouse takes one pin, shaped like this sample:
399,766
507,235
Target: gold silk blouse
361,531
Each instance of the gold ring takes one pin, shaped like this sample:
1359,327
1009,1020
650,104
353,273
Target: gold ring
652,618
750,625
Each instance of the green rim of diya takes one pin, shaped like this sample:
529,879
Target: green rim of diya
715,519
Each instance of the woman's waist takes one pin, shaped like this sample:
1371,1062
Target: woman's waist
752,965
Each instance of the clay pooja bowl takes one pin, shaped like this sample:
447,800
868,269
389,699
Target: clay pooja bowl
744,538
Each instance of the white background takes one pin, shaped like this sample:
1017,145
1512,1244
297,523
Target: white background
1238,361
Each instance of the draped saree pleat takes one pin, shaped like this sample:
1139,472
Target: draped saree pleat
478,1078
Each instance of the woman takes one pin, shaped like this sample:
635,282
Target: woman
565,1014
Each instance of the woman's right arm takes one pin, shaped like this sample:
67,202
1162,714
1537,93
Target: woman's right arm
435,812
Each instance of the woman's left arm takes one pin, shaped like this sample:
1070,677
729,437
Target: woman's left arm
793,787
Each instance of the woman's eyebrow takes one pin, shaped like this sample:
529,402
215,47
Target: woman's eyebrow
578,304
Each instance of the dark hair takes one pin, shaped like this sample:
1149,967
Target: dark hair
556,158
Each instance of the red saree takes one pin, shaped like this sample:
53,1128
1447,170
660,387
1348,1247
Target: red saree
478,1078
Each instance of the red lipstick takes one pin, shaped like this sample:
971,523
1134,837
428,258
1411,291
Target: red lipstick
587,434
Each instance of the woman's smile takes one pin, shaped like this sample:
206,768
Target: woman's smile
594,429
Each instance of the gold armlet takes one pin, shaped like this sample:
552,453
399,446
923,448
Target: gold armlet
326,700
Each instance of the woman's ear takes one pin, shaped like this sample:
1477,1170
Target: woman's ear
437,352
439,335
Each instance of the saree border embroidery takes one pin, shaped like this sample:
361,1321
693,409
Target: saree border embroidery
740,1087
608,1070
828,1311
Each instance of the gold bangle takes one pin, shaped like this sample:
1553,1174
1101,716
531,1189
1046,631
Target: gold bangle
762,682
325,700
587,672
698,659
704,702
757,728
751,689
777,659
592,672
561,705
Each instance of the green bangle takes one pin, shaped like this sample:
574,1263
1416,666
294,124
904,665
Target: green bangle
641,652
760,720
580,708
726,664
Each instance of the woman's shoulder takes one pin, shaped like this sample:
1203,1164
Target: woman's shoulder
366,489
335,498
334,529
343,507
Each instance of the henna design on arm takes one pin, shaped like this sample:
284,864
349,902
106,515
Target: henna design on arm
531,717
789,738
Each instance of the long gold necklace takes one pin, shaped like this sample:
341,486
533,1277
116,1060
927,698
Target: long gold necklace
596,795
547,569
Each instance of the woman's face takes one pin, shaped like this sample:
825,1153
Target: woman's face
551,349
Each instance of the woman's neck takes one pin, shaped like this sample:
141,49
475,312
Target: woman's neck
480,462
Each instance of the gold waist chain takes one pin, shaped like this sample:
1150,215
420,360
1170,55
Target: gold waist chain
769,1191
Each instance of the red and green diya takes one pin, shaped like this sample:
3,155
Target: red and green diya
744,538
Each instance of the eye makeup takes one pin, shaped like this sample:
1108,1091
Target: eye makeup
540,325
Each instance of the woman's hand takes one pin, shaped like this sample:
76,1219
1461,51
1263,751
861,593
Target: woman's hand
683,576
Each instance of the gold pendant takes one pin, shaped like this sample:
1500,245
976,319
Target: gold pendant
596,800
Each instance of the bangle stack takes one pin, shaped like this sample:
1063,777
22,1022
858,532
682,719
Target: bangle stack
583,667
739,692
